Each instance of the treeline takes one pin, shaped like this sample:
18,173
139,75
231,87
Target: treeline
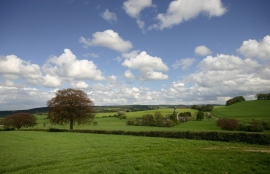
235,100
204,108
262,96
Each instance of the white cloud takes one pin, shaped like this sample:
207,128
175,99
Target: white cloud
52,81
183,10
109,16
80,85
109,39
148,66
68,66
129,75
11,67
202,50
253,48
134,7
184,63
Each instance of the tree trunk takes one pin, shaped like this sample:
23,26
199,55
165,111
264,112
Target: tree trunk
71,124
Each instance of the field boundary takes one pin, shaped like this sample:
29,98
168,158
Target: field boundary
250,138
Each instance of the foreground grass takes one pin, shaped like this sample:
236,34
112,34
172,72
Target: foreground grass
44,152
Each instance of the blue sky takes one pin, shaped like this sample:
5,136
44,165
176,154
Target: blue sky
134,51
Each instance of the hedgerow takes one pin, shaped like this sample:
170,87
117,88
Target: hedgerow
251,138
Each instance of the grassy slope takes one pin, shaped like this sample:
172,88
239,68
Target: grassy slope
245,111
112,123
44,152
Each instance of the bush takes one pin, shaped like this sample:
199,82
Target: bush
229,124
199,115
159,119
121,115
19,120
255,126
131,122
148,120
266,125
170,123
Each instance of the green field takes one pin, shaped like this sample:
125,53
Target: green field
105,122
47,152
245,111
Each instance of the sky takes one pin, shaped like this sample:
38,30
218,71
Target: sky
126,52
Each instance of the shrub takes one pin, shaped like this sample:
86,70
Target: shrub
199,115
228,124
19,120
170,123
148,120
131,122
159,119
121,115
255,126
266,125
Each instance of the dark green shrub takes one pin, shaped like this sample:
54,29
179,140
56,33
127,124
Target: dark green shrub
266,125
170,123
148,120
229,124
199,115
173,117
131,122
255,126
159,119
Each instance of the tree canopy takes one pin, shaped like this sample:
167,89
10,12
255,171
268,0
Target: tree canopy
70,106
19,120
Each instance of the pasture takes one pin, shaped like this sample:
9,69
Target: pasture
245,111
47,152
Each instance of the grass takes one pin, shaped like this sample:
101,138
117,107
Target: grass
245,111
45,152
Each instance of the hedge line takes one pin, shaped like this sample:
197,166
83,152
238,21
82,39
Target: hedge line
251,138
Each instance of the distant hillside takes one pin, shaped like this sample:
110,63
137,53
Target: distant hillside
245,111
97,109
32,111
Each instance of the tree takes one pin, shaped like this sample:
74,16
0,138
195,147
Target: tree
195,107
19,120
199,115
159,119
148,120
70,106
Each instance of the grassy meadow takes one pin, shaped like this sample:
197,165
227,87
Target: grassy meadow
245,111
107,122
50,152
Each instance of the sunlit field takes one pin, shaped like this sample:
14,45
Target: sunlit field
50,152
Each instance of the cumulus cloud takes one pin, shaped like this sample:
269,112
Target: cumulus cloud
109,39
182,10
129,75
109,16
184,63
68,66
11,67
253,48
148,66
80,85
202,50
134,7
227,75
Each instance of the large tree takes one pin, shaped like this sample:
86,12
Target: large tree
70,106
19,120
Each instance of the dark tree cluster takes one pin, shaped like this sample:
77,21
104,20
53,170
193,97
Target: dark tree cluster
235,100
154,120
204,108
185,114
19,120
262,96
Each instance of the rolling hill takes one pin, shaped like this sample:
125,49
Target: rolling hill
245,111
